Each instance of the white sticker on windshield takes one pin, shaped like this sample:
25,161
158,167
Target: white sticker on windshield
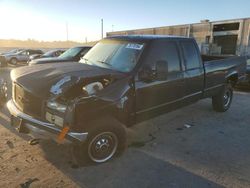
134,46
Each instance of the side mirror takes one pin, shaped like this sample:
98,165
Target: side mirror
161,70
147,74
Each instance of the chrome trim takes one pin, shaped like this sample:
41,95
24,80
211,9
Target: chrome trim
44,126
168,103
213,87
243,77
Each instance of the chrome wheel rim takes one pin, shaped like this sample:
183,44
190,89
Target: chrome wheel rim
13,61
227,98
103,147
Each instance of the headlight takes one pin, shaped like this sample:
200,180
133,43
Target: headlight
92,88
56,106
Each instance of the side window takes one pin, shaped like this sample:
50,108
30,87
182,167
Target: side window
84,52
24,53
166,51
190,54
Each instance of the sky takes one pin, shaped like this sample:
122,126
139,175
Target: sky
47,20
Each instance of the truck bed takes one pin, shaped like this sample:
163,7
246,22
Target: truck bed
219,68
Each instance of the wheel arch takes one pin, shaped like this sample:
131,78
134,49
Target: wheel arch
232,78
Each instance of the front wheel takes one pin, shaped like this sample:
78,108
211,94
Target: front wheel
106,139
13,61
222,101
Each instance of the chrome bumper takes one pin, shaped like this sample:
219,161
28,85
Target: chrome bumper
41,127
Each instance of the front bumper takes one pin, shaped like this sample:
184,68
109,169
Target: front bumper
37,127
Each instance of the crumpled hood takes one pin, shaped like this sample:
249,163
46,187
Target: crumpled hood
53,79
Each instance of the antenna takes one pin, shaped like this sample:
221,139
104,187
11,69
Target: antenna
102,27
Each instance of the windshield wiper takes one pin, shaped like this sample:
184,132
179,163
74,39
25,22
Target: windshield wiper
85,59
105,63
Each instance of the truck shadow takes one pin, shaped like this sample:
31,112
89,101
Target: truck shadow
171,157
134,169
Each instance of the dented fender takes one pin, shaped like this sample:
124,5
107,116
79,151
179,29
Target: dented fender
116,100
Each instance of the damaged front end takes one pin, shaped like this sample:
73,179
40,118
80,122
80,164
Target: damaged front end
58,112
62,97
67,94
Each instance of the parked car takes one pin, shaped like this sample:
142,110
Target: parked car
21,56
13,51
72,54
51,53
3,62
119,82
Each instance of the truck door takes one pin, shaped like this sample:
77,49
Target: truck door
155,96
194,71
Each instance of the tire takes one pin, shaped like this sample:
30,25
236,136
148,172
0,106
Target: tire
13,61
222,101
106,138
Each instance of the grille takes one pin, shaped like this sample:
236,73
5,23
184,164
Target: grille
26,102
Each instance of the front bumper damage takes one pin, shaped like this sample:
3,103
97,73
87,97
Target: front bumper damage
36,127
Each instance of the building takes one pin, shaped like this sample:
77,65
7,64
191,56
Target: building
227,37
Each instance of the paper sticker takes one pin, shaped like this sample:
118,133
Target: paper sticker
134,46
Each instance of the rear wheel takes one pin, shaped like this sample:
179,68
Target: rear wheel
106,139
223,100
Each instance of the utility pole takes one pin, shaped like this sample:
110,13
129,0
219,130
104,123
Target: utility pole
102,27
67,31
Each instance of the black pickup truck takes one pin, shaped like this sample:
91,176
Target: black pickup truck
121,81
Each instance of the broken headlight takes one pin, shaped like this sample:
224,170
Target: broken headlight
92,88
56,106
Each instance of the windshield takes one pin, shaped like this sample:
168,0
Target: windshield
118,55
72,52
14,51
49,53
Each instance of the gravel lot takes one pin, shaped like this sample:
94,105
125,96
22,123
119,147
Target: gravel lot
213,152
